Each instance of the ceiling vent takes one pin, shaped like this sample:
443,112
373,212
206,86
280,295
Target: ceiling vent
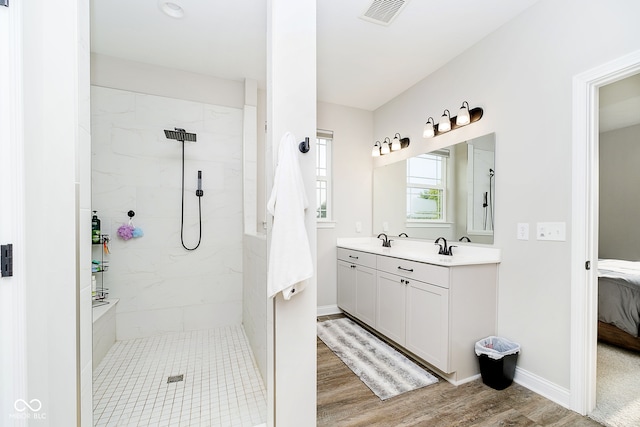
383,12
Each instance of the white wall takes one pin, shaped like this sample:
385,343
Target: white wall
163,287
120,73
55,87
522,76
291,107
619,202
352,182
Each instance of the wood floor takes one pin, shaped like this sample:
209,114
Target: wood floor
343,400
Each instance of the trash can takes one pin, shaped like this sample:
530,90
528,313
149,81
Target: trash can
497,357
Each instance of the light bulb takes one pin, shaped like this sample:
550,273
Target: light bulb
463,115
375,152
428,129
396,143
385,148
445,122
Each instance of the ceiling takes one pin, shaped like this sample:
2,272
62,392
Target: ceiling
620,104
359,63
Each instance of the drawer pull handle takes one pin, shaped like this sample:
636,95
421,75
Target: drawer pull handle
405,269
353,266
354,257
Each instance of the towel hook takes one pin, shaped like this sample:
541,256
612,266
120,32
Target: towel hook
304,145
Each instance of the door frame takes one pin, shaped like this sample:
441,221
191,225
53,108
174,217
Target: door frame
13,348
584,230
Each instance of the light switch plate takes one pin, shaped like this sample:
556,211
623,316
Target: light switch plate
556,231
523,231
358,227
385,226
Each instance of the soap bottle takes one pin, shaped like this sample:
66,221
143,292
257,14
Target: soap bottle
95,228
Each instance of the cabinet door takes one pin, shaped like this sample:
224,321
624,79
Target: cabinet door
390,319
366,295
347,286
428,323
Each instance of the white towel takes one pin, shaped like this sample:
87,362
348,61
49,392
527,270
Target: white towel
290,261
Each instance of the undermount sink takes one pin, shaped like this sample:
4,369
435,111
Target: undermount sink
424,251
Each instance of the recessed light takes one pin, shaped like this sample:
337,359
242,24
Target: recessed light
171,8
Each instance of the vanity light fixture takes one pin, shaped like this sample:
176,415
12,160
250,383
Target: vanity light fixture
444,125
385,146
465,116
375,152
429,131
398,143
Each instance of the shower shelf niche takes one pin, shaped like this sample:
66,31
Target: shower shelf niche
99,265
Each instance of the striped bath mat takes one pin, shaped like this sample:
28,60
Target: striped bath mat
384,370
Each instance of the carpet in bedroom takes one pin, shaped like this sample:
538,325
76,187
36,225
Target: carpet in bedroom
617,387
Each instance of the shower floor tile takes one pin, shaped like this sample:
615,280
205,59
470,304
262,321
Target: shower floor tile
221,384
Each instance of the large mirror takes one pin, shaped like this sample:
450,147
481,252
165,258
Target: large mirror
446,193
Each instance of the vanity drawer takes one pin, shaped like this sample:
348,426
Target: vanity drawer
357,257
429,273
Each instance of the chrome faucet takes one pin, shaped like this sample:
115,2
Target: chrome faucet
444,250
386,243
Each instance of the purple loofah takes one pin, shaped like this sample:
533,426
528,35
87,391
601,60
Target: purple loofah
125,231
137,232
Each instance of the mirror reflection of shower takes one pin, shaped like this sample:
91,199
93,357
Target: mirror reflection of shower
488,203
481,186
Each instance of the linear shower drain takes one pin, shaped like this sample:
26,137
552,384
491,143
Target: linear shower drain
175,378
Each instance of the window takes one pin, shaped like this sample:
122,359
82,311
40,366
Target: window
426,187
323,174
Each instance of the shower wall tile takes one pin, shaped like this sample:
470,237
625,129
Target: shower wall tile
137,324
86,323
163,287
112,107
198,316
254,298
86,391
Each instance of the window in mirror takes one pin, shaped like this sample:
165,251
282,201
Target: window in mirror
426,188
324,140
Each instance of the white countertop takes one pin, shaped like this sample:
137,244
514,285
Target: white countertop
424,251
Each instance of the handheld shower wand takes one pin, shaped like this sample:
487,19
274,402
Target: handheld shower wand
199,191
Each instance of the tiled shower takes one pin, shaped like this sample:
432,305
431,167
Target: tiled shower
165,292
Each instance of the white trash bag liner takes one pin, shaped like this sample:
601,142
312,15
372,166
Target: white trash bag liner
496,347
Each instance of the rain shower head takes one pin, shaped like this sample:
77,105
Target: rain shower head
180,135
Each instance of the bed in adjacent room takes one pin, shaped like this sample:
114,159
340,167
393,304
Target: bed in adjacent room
619,303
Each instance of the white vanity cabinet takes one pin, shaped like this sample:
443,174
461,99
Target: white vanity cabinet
357,284
413,307
435,312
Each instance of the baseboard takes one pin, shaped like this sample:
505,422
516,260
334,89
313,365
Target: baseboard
326,310
537,384
466,380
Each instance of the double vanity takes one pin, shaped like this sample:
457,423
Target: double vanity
434,306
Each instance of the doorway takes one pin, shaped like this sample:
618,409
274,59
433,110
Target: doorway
585,203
